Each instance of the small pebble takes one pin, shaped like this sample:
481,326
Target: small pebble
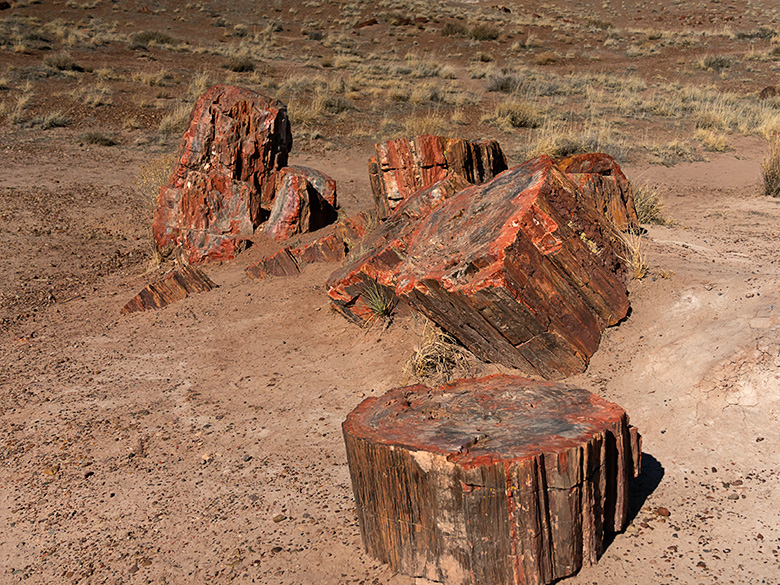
661,511
279,518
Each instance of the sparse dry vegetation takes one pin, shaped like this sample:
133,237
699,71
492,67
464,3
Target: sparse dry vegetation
438,357
649,207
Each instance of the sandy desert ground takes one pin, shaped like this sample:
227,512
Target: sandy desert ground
201,443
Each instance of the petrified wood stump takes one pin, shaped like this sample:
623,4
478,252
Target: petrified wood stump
499,480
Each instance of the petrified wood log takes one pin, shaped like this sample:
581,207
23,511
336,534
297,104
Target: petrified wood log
494,481
522,270
174,287
602,181
404,166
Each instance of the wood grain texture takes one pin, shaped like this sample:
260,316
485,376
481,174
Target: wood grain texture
174,287
499,480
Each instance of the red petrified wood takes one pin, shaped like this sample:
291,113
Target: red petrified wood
521,270
305,201
174,287
403,166
494,481
224,183
600,179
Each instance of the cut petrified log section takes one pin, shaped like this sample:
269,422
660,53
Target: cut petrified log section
494,481
174,287
600,179
305,201
404,166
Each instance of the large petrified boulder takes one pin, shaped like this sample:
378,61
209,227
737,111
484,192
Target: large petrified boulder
305,201
522,270
498,480
602,181
404,166
223,185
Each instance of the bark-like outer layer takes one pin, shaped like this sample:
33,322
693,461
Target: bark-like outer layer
494,481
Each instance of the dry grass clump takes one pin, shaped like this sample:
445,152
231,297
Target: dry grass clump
430,122
648,204
98,139
713,62
483,32
438,357
95,95
634,253
770,169
240,64
51,120
175,122
61,62
711,140
511,114
152,38
151,178
557,138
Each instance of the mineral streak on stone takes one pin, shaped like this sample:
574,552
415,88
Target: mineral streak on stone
305,201
403,166
330,247
174,287
520,270
600,179
498,480
223,185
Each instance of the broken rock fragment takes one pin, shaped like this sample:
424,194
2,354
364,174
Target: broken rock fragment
174,287
305,201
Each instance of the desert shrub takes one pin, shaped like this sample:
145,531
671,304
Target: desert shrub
762,32
98,139
379,300
151,38
61,62
454,29
545,58
770,169
713,62
502,83
648,204
240,64
633,253
483,32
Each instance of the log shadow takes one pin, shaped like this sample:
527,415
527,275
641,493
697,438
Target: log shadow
640,489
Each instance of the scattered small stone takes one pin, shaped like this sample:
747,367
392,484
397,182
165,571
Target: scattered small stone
733,496
759,439
247,458
279,518
276,549
50,470
661,511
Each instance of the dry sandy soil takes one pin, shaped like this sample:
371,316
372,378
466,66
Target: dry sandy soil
201,443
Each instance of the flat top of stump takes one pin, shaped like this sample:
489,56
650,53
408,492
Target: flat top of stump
485,420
